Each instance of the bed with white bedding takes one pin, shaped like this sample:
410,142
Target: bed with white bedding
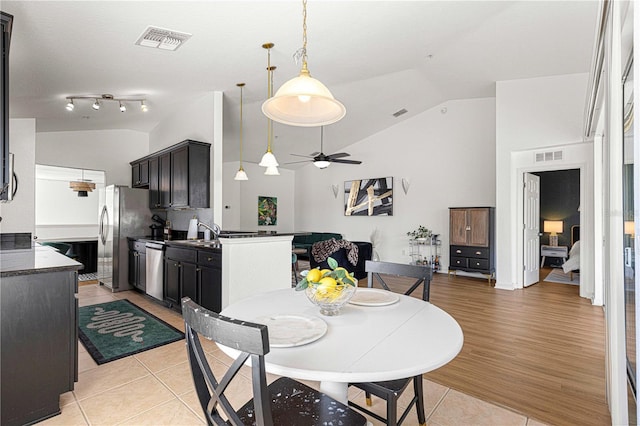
573,263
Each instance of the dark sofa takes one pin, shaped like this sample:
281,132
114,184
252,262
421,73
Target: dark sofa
365,250
306,241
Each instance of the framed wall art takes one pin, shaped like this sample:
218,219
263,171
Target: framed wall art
369,197
267,211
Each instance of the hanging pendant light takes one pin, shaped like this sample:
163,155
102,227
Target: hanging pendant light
268,159
272,171
241,174
303,100
82,186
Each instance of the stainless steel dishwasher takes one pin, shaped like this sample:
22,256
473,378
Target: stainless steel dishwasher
155,270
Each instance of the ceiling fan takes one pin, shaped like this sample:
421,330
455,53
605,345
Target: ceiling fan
321,160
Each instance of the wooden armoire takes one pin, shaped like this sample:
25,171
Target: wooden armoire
472,240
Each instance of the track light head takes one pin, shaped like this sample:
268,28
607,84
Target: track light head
98,100
96,105
70,105
123,108
143,106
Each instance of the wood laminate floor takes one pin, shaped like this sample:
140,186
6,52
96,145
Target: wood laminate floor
539,351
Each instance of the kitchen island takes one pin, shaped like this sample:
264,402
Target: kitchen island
39,312
245,263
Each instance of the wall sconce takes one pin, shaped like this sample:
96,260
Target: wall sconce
405,185
334,188
555,228
99,99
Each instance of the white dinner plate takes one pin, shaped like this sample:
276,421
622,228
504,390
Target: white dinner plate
288,330
373,297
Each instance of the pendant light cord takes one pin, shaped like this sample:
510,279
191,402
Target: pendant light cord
304,34
269,94
241,85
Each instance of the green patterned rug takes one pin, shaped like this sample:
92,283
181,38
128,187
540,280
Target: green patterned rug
114,330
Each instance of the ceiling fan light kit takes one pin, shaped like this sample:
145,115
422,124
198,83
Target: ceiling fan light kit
303,101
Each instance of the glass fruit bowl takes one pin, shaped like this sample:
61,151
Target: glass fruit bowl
330,289
330,298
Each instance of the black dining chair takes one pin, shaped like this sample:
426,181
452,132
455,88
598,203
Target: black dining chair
283,402
392,389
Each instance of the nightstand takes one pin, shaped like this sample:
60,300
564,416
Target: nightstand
553,251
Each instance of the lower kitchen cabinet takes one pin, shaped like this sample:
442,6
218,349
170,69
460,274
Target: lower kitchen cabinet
138,265
192,273
210,280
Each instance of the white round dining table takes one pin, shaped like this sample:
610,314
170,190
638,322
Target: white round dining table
361,344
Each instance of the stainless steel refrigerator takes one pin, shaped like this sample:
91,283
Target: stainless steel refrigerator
123,212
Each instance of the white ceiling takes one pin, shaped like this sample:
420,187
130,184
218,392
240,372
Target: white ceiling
377,57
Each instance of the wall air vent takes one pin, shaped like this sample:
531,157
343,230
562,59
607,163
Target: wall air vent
548,156
162,38
399,113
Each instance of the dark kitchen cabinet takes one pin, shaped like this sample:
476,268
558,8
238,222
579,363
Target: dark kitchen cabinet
178,176
140,174
180,276
138,265
210,280
193,273
471,239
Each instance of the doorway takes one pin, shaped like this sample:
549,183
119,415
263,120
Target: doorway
559,225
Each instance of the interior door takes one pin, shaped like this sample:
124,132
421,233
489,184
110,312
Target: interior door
531,229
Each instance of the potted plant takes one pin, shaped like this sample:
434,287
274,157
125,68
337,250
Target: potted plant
420,234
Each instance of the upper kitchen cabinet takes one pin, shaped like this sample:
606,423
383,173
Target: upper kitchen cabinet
6,168
178,176
140,174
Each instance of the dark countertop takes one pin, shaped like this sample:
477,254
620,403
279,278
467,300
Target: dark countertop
215,245
35,260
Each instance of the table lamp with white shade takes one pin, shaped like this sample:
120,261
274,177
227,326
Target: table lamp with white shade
555,228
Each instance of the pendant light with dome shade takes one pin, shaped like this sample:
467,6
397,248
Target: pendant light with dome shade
304,101
268,159
241,174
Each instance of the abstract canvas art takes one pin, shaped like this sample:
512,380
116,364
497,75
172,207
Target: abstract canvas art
369,197
267,211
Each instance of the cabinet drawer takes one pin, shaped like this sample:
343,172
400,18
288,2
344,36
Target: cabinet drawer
482,264
460,262
553,252
473,252
209,258
181,254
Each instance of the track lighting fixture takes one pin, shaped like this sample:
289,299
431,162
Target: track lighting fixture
98,100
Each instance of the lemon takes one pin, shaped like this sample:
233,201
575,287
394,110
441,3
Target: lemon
325,271
314,275
327,283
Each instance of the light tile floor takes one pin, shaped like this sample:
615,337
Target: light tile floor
155,387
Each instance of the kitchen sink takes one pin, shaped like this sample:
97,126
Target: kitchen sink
198,243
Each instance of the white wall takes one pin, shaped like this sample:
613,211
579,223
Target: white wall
241,198
108,150
530,113
199,120
19,214
449,159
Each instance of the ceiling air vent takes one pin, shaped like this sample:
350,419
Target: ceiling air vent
548,156
162,38
399,112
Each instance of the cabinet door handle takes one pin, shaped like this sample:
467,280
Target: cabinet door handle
458,251
478,252
209,259
468,228
198,269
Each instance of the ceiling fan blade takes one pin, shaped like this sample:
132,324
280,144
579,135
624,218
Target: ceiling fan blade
296,162
313,154
298,155
345,161
339,155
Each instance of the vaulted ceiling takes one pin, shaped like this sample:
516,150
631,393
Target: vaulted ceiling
377,57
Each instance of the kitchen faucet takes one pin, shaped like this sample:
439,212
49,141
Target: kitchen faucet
215,229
